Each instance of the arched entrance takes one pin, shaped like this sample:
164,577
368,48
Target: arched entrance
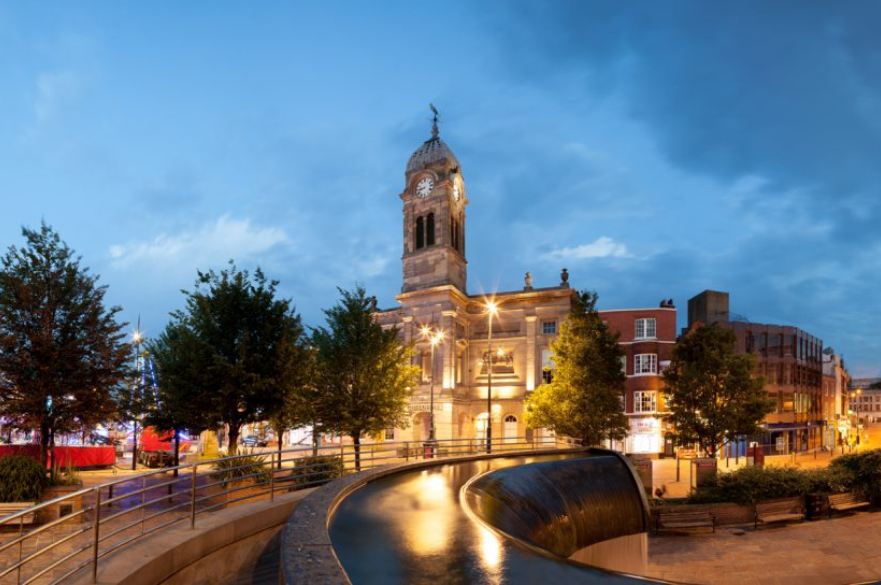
421,424
510,429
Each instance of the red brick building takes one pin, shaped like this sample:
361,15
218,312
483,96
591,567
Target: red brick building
647,337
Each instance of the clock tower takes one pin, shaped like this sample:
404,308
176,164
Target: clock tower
434,217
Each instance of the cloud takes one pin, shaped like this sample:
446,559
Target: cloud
602,247
213,243
54,88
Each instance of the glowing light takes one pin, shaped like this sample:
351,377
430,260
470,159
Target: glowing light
137,337
490,549
492,307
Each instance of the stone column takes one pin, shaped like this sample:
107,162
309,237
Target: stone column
448,324
530,352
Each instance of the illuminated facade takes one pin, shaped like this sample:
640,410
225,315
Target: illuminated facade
434,295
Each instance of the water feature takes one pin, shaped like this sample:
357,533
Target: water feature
588,509
413,527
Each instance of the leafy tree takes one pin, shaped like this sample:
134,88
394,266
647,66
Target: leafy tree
239,334
300,402
583,399
180,405
61,351
364,375
711,392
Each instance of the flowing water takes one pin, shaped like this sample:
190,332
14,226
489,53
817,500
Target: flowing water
414,527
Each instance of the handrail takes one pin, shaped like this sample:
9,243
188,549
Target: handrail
104,520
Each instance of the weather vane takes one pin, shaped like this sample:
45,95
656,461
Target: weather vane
434,131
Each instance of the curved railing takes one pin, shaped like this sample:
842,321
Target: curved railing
75,532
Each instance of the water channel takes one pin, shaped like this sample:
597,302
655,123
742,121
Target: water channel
416,527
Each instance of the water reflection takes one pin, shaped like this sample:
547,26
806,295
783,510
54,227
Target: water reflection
410,528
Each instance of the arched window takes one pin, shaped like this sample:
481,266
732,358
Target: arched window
420,233
452,231
510,418
460,227
429,231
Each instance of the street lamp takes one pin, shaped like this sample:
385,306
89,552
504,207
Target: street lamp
434,338
137,338
492,309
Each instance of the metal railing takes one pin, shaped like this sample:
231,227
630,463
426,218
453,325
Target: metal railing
75,532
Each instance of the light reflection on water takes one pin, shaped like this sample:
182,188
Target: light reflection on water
410,528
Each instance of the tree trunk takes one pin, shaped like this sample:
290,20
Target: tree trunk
356,439
278,434
135,447
44,445
314,440
176,451
233,439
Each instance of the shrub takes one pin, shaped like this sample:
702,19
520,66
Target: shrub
861,472
68,477
251,467
312,471
22,479
754,484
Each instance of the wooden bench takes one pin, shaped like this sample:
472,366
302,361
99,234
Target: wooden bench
7,508
846,501
779,511
676,520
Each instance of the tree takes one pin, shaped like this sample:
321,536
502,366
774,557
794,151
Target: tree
61,351
711,393
181,405
239,333
300,403
583,400
364,375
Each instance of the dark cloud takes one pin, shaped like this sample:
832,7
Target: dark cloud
789,91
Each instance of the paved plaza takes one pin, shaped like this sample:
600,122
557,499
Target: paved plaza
839,551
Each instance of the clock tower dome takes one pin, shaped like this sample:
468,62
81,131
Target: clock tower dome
434,217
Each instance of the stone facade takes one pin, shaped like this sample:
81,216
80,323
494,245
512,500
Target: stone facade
434,295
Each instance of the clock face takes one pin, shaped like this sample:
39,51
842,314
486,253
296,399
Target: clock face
424,187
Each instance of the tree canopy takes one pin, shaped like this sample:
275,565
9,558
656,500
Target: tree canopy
584,398
239,336
364,375
711,393
62,352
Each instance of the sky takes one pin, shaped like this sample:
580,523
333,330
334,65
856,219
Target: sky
653,149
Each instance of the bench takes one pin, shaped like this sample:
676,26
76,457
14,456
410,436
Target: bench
779,511
684,520
846,501
7,508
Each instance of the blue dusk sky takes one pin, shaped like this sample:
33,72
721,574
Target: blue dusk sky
655,149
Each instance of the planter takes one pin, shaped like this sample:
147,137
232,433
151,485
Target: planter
62,508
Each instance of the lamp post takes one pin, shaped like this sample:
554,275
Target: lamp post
491,309
136,338
435,338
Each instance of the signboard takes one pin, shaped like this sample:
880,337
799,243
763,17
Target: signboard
425,407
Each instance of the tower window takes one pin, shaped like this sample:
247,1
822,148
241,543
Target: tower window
429,240
420,233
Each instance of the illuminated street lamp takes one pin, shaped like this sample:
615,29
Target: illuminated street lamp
492,309
434,338
137,338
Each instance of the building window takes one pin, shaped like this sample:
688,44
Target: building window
429,230
549,328
420,233
645,328
547,366
624,364
390,434
645,402
426,368
645,363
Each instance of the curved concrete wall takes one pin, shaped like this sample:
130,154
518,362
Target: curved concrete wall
563,506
